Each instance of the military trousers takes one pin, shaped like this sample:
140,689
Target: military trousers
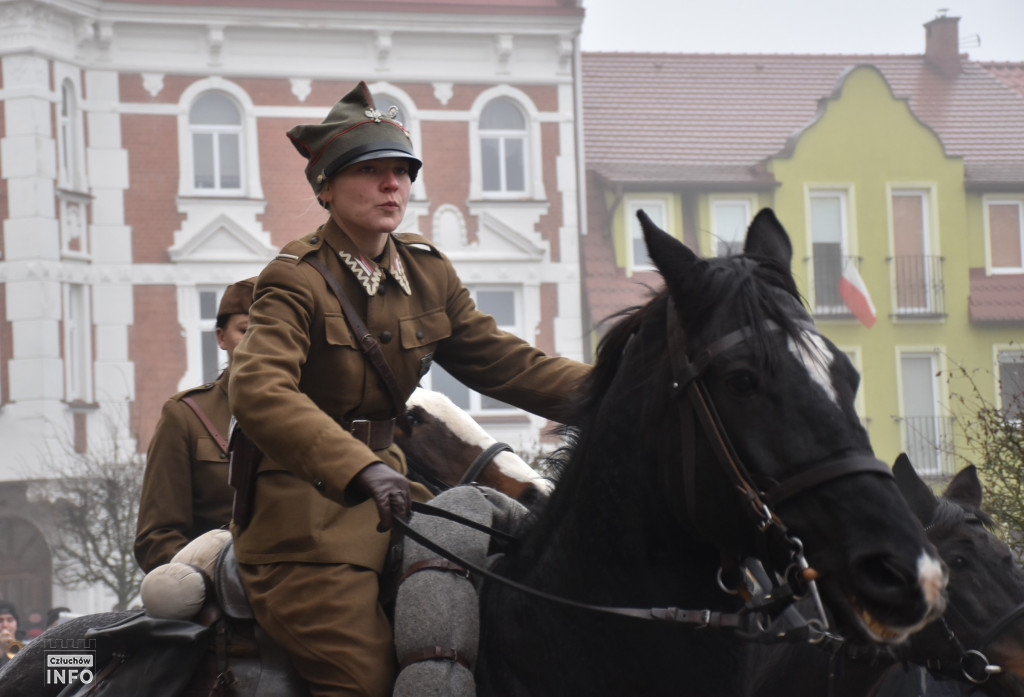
328,619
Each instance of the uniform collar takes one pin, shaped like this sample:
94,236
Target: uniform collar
367,271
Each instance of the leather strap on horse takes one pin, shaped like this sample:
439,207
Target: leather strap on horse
482,460
221,441
367,342
433,565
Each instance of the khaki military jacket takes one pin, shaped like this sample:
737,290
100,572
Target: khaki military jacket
299,376
185,489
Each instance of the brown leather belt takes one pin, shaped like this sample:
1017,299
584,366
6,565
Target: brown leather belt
378,435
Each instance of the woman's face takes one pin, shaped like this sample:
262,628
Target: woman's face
368,198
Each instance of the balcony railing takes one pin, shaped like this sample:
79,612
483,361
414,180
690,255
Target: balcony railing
919,286
928,441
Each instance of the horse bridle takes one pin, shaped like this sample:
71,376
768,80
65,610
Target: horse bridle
758,502
686,380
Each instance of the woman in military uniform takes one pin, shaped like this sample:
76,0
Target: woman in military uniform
331,480
185,488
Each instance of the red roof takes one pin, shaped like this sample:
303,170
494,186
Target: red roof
1011,74
699,118
998,298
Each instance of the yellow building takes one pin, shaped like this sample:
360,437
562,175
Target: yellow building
905,170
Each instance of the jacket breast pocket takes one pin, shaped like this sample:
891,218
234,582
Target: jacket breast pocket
337,331
208,451
425,329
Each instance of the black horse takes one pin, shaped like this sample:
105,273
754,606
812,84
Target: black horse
981,626
717,425
710,409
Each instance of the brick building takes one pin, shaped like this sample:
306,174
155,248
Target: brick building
144,166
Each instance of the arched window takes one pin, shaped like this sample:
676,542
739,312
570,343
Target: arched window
215,122
503,147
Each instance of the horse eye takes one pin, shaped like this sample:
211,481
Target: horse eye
958,563
742,382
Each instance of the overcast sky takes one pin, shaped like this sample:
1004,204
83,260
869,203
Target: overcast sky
800,26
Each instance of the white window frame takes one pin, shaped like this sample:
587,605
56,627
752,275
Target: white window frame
78,382
936,357
633,233
533,176
844,194
747,202
476,400
248,150
207,326
70,145
987,203
1003,354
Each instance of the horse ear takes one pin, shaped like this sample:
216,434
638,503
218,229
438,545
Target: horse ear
919,496
965,487
767,238
665,250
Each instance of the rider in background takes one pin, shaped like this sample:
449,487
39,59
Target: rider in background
8,629
185,489
331,480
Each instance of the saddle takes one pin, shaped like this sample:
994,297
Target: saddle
170,649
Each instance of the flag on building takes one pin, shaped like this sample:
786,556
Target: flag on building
855,294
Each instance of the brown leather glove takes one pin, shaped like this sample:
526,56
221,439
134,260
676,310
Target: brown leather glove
388,489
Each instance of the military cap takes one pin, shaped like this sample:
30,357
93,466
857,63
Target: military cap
354,131
8,608
236,299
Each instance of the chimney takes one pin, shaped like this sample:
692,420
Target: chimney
942,44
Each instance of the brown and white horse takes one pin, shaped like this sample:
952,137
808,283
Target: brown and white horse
447,447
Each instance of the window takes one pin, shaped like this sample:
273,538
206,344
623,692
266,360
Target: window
503,147
503,305
215,123
729,220
828,247
69,142
926,434
77,344
918,273
1006,236
213,357
1011,384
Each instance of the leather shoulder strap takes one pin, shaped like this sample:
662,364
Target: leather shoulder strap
222,442
367,342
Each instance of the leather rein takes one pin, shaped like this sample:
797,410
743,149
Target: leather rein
754,619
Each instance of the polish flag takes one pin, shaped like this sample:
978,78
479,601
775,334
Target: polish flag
855,294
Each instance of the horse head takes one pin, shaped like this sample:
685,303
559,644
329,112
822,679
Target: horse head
775,402
446,447
986,586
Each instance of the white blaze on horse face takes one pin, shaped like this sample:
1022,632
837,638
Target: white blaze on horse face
932,576
815,357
